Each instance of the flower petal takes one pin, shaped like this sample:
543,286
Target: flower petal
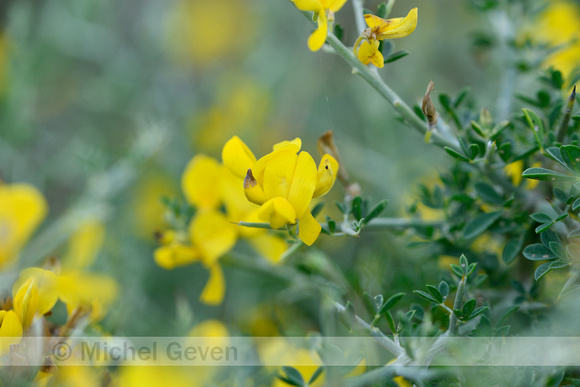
23,208
174,255
268,245
278,212
10,330
308,228
199,182
336,5
368,51
215,288
213,235
45,283
253,191
318,37
279,173
327,172
308,5
378,59
303,183
237,157
398,27
293,145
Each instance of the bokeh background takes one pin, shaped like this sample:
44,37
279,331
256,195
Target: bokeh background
103,103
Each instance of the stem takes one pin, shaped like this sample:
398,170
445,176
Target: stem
386,92
456,305
376,224
357,6
379,336
563,127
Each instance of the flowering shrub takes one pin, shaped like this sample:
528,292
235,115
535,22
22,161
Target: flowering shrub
130,196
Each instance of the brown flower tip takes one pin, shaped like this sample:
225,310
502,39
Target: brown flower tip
250,181
428,108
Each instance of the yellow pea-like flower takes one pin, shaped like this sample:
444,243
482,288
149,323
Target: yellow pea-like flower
283,183
367,45
10,330
323,10
34,293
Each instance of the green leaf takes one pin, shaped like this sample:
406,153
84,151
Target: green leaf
488,194
541,217
571,156
479,224
546,175
463,262
391,302
508,312
390,321
468,307
455,154
511,250
338,31
538,252
359,207
576,204
331,224
558,250
376,211
396,56
550,236
461,96
369,303
444,289
292,377
499,128
426,296
434,292
542,270
560,194
378,301
477,129
543,227
315,375
382,10
470,269
536,124
574,233
317,208
457,270
477,312
342,207
555,154
559,264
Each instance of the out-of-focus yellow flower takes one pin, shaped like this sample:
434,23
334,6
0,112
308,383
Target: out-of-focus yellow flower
202,32
34,293
146,208
93,292
10,330
280,351
324,10
154,376
514,172
367,45
22,208
283,183
72,376
84,245
241,108
369,52
558,25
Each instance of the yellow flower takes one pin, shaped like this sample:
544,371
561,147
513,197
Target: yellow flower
369,52
367,45
10,330
558,25
85,244
283,183
34,293
93,292
400,27
322,9
22,209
